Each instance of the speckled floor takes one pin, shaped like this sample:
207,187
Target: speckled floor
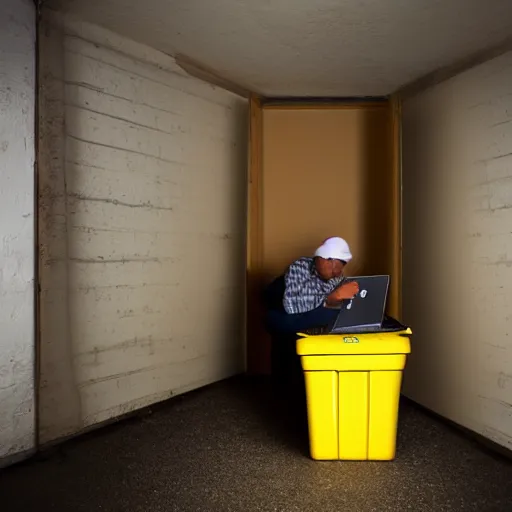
229,447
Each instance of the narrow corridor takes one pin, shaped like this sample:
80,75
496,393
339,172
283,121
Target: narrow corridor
228,447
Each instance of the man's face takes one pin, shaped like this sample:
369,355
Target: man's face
328,269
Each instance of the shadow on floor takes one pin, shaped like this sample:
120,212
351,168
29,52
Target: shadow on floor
231,447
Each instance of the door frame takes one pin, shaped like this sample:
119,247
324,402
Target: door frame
256,350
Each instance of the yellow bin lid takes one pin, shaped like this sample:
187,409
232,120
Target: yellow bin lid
355,344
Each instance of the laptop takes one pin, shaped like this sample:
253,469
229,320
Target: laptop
365,312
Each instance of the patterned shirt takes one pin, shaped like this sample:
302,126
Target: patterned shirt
305,290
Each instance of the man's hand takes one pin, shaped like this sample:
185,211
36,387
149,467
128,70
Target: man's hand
347,291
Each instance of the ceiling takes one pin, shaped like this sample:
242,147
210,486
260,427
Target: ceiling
310,47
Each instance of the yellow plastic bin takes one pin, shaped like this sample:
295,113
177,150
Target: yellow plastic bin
352,390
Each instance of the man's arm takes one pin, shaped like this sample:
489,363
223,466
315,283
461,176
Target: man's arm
343,292
302,291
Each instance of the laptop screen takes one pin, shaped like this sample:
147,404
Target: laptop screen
367,308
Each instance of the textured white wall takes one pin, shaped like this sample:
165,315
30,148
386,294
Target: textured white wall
143,228
17,100
457,255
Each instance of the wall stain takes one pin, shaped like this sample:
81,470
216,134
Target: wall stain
504,380
116,202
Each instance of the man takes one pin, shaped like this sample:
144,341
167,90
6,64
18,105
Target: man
311,287
301,299
311,283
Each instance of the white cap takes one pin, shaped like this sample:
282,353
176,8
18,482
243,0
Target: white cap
335,248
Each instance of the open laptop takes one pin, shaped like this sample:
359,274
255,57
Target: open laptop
365,312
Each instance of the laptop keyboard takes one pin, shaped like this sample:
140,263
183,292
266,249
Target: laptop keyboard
388,325
316,331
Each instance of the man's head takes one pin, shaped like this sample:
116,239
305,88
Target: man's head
331,258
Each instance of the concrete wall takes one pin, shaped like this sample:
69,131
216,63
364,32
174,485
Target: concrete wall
457,248
143,187
17,100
